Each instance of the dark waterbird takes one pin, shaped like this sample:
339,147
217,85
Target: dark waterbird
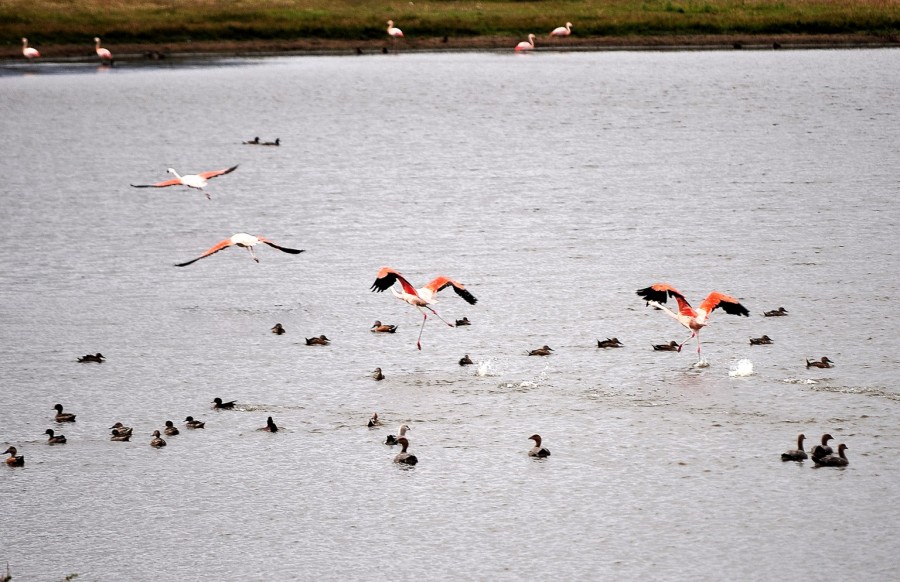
797,454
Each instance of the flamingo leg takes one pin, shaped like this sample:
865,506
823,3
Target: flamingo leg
439,316
252,254
687,340
421,329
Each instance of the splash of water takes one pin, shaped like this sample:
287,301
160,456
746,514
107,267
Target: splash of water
742,368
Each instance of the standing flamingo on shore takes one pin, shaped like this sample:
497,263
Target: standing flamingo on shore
196,181
105,56
241,239
526,46
28,51
419,298
657,294
393,31
562,30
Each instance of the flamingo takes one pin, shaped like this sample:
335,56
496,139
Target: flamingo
562,30
393,31
526,46
241,239
28,51
197,181
104,54
419,298
657,294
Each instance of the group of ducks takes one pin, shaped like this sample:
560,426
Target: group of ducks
822,454
255,141
106,57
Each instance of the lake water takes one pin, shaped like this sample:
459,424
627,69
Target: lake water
553,185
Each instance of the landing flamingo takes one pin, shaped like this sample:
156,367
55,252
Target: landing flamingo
29,52
419,298
393,31
526,46
197,181
657,294
104,54
241,239
562,30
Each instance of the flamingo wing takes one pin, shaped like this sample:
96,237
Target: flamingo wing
728,304
660,292
214,173
387,277
279,247
173,182
214,249
440,283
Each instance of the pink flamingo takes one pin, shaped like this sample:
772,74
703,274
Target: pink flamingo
693,320
562,30
419,298
27,51
197,181
526,46
241,239
104,54
393,31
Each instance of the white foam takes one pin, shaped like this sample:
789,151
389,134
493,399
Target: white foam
741,368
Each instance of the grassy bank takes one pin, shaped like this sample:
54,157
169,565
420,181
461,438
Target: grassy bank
274,23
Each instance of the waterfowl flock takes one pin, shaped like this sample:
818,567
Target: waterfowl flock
822,454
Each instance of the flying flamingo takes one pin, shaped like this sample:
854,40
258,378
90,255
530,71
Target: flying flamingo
419,298
526,46
241,239
393,31
657,294
29,52
562,30
104,54
198,181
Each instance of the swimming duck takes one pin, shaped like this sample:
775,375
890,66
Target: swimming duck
543,351
98,357
270,425
379,327
823,450
796,455
839,460
463,321
157,440
760,341
254,141
465,360
191,423
278,329
171,429
13,460
120,436
776,312
63,417
217,402
669,347
377,374
277,142
537,450
610,343
403,457
395,439
318,341
374,420
823,363
123,430
54,440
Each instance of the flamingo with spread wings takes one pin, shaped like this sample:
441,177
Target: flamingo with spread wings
241,239
197,181
657,294
419,298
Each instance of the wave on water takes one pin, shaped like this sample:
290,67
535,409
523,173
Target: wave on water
741,368
799,381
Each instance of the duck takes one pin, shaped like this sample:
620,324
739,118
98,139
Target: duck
63,416
796,455
610,343
776,312
823,363
278,329
377,374
395,439
403,457
13,460
839,460
171,429
254,141
318,341
379,327
760,341
537,450
54,439
822,450
276,143
120,436
463,321
465,361
217,403
270,425
373,421
88,358
542,351
122,429
157,440
191,423
672,346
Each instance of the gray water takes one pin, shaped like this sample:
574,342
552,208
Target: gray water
553,186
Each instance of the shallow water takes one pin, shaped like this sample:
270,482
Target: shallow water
553,186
